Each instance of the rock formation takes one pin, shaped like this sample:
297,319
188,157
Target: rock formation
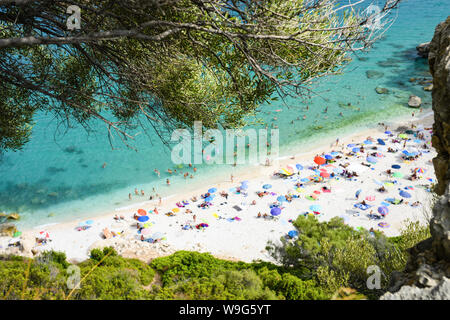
427,274
414,101
423,49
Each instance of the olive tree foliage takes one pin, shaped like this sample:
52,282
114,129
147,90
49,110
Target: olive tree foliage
167,63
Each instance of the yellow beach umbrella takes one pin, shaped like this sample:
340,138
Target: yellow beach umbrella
175,210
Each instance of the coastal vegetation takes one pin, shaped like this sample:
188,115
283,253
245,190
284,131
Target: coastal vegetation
164,65
328,260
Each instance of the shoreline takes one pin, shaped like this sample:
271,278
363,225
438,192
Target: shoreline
77,244
262,170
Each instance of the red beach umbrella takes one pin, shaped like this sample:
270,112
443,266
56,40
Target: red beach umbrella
319,160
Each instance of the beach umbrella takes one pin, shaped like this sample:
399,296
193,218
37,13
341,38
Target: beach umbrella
371,159
368,142
285,172
244,186
328,157
293,233
319,160
267,186
281,198
338,170
357,193
324,174
351,145
175,210
383,210
300,190
43,235
143,218
334,153
380,141
388,184
355,150
89,222
208,199
397,175
315,207
395,166
275,211
388,132
304,180
212,190
403,136
383,225
290,168
419,170
299,166
142,212
405,194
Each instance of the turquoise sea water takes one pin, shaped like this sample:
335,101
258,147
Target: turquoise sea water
59,175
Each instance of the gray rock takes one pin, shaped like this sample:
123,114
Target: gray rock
381,90
423,49
374,74
414,101
441,291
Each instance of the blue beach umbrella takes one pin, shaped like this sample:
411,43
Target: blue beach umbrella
212,190
355,150
380,141
315,207
388,132
281,198
396,166
405,194
371,159
275,211
299,166
304,180
143,218
357,193
328,157
368,142
351,145
334,153
244,186
267,186
90,222
293,233
383,210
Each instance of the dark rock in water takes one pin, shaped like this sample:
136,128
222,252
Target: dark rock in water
388,64
70,149
55,170
53,194
13,216
423,49
398,46
414,101
374,74
428,88
363,58
381,90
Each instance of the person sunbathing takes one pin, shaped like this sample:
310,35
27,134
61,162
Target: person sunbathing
259,215
382,189
253,202
194,199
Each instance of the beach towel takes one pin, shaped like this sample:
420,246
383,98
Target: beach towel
362,206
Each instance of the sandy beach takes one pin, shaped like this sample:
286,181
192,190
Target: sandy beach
230,227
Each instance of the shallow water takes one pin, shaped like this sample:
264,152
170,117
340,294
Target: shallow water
59,176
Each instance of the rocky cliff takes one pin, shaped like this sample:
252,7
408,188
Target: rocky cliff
427,274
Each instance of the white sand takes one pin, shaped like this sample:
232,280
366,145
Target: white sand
246,239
